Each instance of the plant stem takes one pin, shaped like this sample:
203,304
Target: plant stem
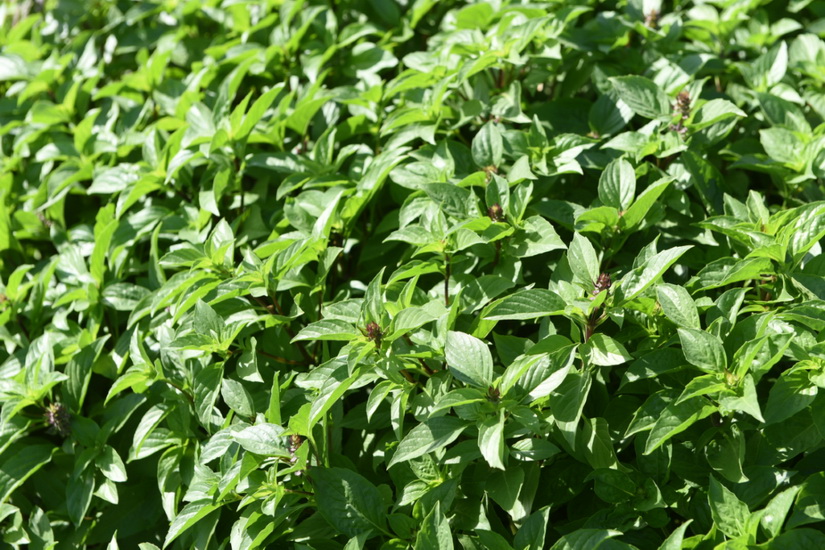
22,327
279,359
327,439
447,272
424,366
275,309
180,389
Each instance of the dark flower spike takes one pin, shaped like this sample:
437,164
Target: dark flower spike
374,333
683,104
652,19
602,283
58,418
496,213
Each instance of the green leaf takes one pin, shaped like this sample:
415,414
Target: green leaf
617,184
17,466
768,69
678,306
634,215
784,146
79,495
533,449
715,110
536,236
781,112
273,412
585,539
430,435
207,322
491,440
543,379
777,510
567,403
609,114
806,231
643,96
207,386
451,199
461,396
237,397
488,146
674,540
707,384
676,418
612,486
636,281
332,389
111,465
348,501
727,271
504,488
373,300
791,393
248,363
434,531
596,442
79,371
327,329
13,67
123,296
469,359
583,260
801,539
526,304
809,506
703,350
489,540
410,319
189,516
532,532
357,542
262,439
729,513
104,230
726,453
257,110
604,351
147,425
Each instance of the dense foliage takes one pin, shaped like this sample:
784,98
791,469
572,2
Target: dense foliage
412,274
